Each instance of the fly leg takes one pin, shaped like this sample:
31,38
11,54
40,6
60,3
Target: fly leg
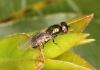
43,46
56,44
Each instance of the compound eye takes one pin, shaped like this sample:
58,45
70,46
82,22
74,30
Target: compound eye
64,27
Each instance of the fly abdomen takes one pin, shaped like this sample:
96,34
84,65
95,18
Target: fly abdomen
39,39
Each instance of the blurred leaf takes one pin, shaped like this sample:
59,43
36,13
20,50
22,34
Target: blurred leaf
13,59
32,24
41,4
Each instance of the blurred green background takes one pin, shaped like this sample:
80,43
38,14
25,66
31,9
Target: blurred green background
54,14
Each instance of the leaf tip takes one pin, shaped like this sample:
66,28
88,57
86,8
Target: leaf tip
91,40
86,34
91,15
85,41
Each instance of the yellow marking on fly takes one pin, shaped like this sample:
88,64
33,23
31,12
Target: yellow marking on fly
55,30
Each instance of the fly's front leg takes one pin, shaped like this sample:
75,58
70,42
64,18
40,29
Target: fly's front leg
56,44
43,46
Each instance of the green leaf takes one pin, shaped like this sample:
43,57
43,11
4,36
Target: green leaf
85,41
73,8
75,59
78,24
51,64
65,42
13,59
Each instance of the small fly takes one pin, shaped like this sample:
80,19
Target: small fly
40,38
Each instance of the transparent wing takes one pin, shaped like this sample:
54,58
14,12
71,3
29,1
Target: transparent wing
25,44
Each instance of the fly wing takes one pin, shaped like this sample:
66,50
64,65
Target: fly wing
25,44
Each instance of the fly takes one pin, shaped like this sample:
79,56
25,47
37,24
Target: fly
40,38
